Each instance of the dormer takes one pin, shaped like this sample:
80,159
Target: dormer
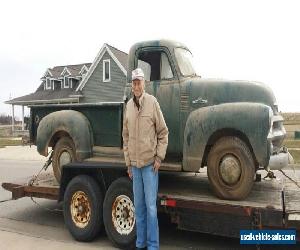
66,81
48,80
83,71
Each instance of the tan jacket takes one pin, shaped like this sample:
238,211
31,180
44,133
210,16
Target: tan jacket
145,134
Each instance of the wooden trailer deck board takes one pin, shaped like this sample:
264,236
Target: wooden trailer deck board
264,194
188,187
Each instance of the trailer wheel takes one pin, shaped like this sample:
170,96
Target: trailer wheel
118,214
231,169
83,208
64,153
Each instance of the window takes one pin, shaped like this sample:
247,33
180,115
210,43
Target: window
106,70
165,68
146,67
66,82
155,65
48,83
185,61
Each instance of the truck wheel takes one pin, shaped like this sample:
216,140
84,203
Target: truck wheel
83,211
118,214
230,169
64,153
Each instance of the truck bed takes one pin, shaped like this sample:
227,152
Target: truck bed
189,201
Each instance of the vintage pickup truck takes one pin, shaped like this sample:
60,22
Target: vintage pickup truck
232,127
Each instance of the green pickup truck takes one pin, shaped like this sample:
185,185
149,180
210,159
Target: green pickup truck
231,127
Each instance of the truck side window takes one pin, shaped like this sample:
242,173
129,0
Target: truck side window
146,67
155,64
165,68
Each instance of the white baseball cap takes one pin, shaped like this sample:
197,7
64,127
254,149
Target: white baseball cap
138,74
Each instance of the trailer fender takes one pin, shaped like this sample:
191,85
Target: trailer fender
70,122
250,121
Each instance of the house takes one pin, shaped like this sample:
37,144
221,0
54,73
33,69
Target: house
102,81
106,78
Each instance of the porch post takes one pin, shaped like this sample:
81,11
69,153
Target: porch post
13,118
22,117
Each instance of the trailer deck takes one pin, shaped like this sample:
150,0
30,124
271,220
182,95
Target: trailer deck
188,199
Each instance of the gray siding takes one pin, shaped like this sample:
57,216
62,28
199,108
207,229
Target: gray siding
95,90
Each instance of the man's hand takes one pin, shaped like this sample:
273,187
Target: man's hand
156,166
129,172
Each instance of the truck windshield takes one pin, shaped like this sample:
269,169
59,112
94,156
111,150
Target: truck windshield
184,59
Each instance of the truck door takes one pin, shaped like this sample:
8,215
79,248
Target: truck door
162,81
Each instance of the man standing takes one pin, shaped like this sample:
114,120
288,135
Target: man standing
145,137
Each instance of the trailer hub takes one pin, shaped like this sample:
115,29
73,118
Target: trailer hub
80,209
123,215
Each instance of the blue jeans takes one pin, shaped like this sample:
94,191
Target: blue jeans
145,187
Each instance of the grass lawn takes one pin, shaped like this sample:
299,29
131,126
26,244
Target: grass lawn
295,154
10,142
294,148
292,143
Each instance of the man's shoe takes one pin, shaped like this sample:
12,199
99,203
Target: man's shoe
143,248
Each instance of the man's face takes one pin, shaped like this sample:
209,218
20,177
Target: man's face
138,87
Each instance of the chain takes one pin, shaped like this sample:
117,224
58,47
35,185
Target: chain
270,175
45,208
35,177
46,165
32,181
295,182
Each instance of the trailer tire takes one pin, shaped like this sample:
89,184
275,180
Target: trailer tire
231,168
64,153
118,214
83,208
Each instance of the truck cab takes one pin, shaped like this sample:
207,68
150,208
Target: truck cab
202,113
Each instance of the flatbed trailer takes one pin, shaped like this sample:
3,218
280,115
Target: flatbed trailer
186,198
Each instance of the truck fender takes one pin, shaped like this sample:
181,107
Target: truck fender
251,120
74,123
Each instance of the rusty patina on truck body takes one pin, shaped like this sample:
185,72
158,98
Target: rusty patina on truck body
232,127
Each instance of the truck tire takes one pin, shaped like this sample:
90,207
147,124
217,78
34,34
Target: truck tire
118,214
83,208
230,169
64,153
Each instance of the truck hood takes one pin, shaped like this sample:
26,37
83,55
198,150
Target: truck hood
217,91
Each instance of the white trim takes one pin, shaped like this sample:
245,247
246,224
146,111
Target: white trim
117,61
75,95
41,101
75,77
46,73
84,67
65,69
103,70
95,63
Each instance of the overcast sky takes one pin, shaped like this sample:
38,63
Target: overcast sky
232,39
